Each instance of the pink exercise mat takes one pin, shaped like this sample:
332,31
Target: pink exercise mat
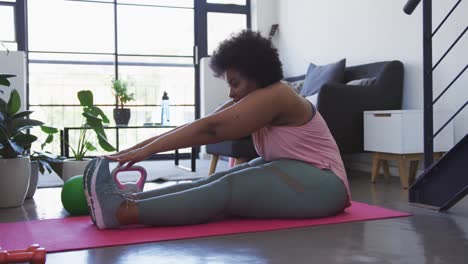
73,233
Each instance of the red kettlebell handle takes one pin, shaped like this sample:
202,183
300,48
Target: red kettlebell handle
140,183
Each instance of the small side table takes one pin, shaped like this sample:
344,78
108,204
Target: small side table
406,177
398,135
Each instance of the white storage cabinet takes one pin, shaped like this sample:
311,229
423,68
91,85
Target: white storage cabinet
401,131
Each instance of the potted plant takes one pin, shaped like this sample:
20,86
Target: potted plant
15,168
120,91
42,161
93,119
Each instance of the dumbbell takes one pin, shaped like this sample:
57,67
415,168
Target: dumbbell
34,254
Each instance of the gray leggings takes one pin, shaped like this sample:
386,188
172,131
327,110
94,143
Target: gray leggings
258,189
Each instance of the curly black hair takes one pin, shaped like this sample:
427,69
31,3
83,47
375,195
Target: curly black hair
252,55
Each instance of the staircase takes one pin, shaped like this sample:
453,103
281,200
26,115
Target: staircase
445,182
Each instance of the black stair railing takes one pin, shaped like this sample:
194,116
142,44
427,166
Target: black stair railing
428,72
445,182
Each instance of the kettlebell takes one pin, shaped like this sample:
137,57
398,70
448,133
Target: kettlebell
130,187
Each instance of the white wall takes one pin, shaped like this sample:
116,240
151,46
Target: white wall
264,14
214,92
14,63
362,31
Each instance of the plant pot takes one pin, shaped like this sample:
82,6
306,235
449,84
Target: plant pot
121,116
33,180
14,181
72,168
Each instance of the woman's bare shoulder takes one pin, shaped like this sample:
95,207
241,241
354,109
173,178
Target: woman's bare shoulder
277,89
276,95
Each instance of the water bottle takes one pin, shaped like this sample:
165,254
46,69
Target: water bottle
165,110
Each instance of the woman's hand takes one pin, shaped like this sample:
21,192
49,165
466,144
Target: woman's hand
129,158
120,153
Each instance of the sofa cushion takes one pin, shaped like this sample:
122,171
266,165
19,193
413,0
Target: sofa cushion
318,75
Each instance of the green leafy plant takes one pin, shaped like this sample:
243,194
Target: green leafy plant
14,141
4,81
120,90
93,121
47,160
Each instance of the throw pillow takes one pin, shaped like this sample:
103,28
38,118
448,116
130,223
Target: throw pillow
295,82
365,81
296,85
318,75
295,78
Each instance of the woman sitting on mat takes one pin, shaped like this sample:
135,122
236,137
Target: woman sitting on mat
299,174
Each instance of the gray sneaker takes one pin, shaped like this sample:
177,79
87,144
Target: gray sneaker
87,187
102,194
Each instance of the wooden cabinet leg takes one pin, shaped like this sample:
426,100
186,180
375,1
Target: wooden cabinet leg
214,162
238,161
403,172
375,166
386,170
438,155
414,164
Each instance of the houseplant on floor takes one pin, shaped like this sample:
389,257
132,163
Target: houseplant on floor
120,91
42,161
15,168
93,120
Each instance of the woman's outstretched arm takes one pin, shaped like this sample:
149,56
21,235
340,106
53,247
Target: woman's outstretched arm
149,140
254,111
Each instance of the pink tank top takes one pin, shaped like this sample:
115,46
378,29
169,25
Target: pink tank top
311,143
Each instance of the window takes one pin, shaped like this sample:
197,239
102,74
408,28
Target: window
221,26
7,28
78,54
221,18
158,38
148,43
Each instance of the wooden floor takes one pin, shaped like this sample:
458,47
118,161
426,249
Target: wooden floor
425,237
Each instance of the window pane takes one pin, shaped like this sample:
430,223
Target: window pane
56,78
74,134
70,116
7,23
152,114
71,26
174,3
221,26
152,76
235,2
155,30
129,137
59,117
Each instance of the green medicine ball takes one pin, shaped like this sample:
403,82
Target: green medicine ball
73,197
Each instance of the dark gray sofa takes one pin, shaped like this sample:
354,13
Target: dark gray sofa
342,107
